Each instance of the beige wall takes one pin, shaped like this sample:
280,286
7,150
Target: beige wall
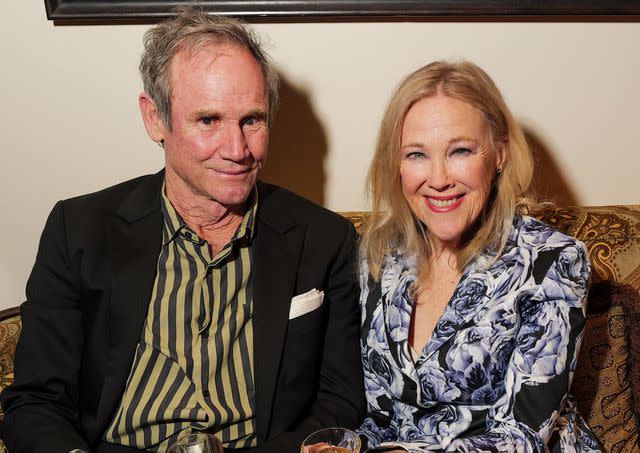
70,122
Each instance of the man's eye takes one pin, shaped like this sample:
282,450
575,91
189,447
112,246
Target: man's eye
208,120
252,124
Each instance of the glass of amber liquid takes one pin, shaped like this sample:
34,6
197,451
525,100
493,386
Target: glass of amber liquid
331,440
197,442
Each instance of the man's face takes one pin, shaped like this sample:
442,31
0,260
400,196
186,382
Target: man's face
219,135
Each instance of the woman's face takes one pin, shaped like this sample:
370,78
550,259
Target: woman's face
447,164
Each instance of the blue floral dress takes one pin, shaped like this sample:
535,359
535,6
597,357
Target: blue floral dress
495,373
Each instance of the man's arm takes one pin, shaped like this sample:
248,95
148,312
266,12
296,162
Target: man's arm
340,396
41,407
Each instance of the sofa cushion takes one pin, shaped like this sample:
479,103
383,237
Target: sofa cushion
631,304
601,382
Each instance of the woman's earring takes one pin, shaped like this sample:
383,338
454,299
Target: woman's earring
161,143
498,172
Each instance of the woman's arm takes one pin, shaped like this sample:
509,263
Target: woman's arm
541,367
375,427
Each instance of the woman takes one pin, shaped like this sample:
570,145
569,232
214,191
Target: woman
472,311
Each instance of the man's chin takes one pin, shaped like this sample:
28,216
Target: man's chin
233,198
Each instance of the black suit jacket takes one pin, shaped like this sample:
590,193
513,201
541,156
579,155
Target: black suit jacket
87,299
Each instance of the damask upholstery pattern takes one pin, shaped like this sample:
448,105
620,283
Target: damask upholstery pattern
602,381
10,328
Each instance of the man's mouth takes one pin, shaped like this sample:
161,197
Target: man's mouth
234,172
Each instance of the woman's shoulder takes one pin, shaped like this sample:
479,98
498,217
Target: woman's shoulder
394,267
533,233
392,260
537,245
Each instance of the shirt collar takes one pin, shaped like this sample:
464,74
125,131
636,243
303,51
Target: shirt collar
174,225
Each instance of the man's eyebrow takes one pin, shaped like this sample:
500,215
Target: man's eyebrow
206,113
256,113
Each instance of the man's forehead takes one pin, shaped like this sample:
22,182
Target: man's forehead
208,56
208,51
208,74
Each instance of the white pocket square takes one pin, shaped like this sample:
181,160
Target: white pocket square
304,303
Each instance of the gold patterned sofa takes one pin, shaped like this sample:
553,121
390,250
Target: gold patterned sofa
607,381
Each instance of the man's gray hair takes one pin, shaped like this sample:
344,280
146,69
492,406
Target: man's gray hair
192,29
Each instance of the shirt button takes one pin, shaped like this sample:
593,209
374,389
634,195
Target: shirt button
206,393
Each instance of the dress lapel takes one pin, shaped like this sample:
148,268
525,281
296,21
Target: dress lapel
473,291
276,254
135,236
399,274
471,294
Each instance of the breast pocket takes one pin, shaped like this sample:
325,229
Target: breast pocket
302,356
308,323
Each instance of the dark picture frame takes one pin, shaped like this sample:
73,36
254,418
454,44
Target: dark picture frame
285,10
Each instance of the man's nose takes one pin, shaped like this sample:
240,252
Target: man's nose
234,146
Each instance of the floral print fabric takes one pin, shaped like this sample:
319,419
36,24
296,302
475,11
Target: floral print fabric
495,373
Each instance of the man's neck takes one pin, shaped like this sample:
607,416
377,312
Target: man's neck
210,220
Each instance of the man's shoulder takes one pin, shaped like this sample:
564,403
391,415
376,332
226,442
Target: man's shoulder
281,202
110,198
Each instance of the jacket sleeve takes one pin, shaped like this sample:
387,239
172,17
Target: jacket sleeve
41,406
340,394
541,368
376,426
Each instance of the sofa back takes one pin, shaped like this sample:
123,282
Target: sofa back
606,383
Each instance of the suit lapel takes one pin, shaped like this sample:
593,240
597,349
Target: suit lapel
276,254
135,236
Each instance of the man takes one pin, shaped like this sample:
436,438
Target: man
197,298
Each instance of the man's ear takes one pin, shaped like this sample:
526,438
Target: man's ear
152,122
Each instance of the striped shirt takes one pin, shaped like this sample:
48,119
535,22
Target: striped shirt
193,367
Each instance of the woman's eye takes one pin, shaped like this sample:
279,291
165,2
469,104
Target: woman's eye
207,120
461,151
414,155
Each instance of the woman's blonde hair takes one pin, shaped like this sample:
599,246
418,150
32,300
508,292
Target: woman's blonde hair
392,225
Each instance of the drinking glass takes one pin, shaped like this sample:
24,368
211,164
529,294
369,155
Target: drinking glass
197,442
331,440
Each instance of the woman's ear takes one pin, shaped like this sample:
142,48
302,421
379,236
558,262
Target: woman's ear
501,154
